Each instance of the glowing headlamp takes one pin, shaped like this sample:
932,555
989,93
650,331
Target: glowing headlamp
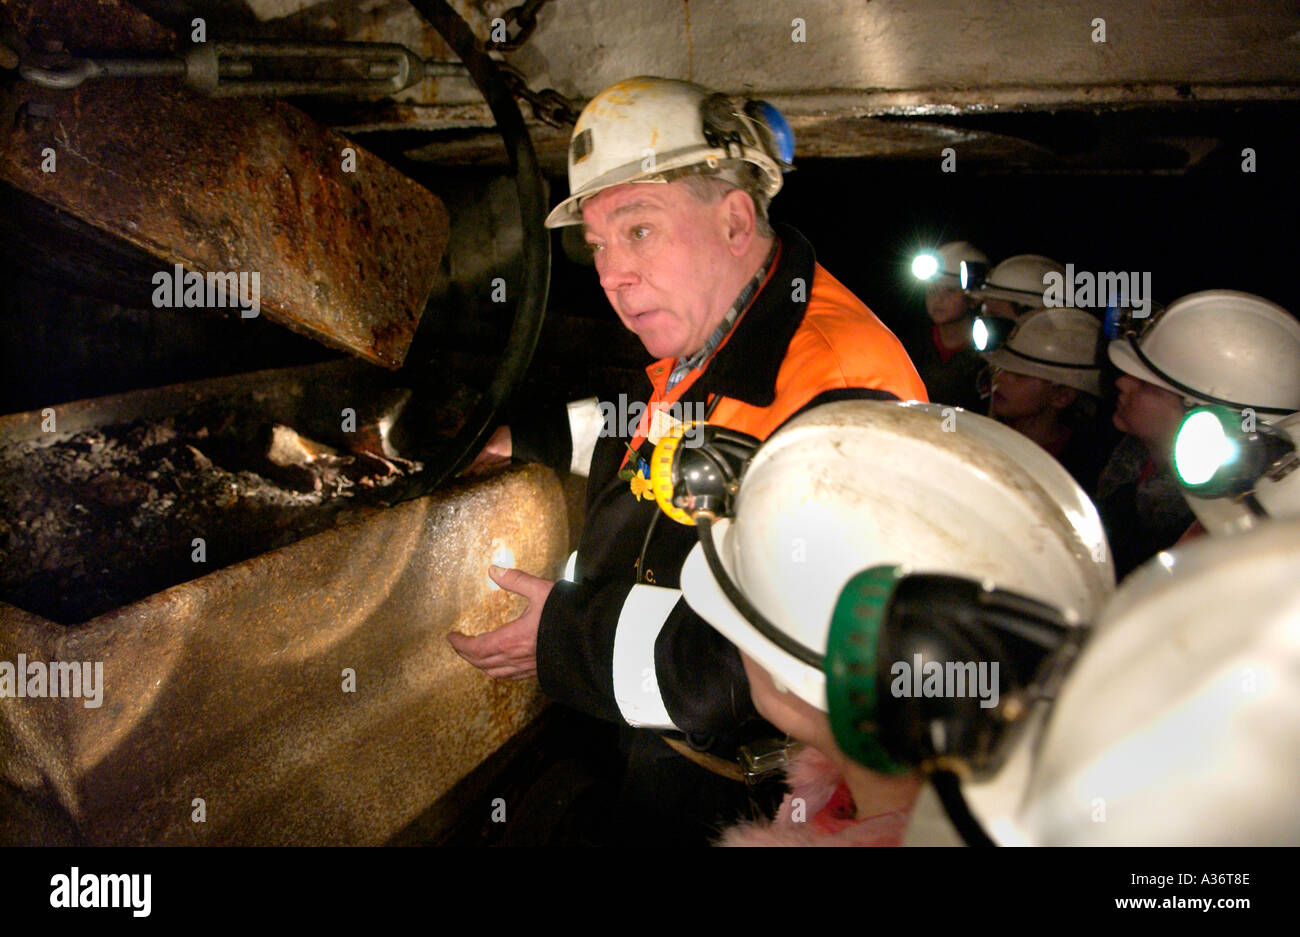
1215,456
973,275
926,265
990,332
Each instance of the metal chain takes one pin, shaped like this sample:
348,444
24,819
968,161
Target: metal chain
526,16
549,106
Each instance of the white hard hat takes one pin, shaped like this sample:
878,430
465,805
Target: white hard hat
1019,280
647,129
946,263
1279,496
1220,346
1058,345
1181,716
855,484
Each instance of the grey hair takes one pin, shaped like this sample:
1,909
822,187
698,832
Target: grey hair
712,187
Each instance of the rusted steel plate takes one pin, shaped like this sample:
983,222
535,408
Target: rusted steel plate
101,25
237,186
230,688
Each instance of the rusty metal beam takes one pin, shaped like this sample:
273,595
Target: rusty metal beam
146,176
861,124
255,186
230,688
393,116
821,134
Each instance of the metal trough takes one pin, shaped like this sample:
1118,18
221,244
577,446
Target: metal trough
306,695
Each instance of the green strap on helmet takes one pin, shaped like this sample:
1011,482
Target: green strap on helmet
850,667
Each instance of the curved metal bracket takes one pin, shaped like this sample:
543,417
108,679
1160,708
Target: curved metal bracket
536,247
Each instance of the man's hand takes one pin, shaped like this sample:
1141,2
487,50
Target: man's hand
511,650
495,453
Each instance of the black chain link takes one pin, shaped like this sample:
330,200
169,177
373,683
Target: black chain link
525,15
549,106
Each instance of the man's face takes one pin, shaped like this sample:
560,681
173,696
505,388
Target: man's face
1146,411
946,304
659,252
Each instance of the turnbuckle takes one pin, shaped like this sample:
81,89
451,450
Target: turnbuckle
251,67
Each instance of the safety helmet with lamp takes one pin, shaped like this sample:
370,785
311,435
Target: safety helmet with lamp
1181,715
653,130
942,266
1057,345
856,494
990,332
1157,702
1220,347
1017,280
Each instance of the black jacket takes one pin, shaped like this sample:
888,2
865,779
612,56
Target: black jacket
700,677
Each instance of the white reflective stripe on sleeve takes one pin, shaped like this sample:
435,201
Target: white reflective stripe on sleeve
585,424
571,566
636,685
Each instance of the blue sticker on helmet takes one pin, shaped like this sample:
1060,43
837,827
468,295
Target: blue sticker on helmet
782,133
1110,324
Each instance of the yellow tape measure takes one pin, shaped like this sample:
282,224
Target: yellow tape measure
661,473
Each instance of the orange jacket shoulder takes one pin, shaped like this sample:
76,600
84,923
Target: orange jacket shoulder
839,344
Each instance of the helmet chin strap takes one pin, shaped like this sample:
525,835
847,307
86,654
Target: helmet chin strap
704,523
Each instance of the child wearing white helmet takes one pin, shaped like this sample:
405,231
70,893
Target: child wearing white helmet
1015,286
943,353
1214,347
1046,383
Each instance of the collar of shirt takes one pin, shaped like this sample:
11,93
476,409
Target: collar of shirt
684,366
946,353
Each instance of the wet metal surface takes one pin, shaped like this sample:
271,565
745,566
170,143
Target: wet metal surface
230,688
217,185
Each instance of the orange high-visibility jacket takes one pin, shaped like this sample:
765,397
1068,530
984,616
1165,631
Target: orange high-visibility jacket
634,651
